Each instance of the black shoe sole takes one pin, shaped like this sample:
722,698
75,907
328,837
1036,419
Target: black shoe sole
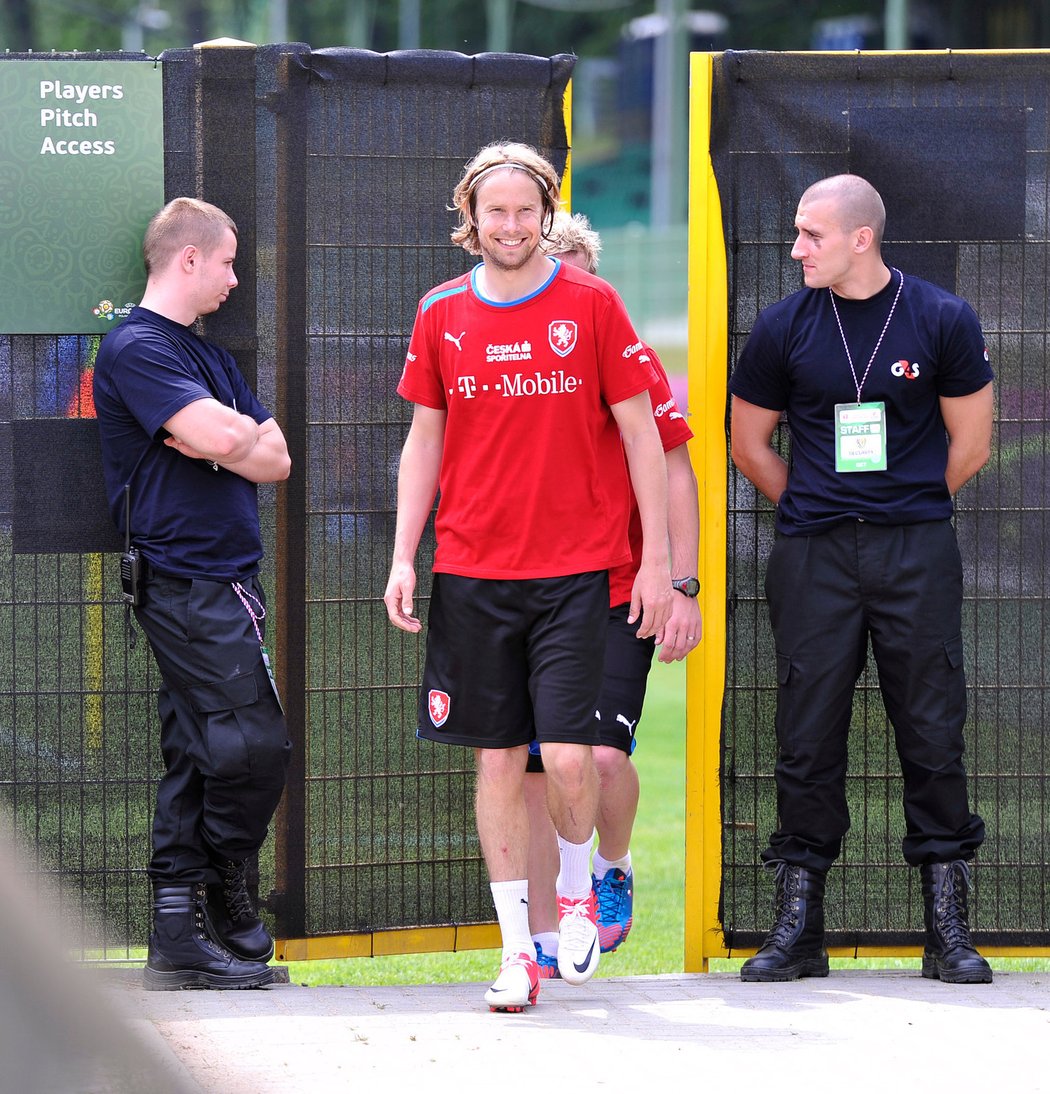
195,980
815,968
931,971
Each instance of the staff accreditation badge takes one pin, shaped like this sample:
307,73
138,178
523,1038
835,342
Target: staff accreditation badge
860,437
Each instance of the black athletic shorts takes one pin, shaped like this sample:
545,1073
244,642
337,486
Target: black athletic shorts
626,671
509,662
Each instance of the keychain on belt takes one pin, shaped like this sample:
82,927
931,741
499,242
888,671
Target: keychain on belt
246,598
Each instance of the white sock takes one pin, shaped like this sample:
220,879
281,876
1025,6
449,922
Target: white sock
512,910
574,876
603,865
548,941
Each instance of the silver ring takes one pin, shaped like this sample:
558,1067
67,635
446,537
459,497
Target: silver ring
691,637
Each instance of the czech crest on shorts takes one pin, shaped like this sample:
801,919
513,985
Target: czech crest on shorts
561,334
438,704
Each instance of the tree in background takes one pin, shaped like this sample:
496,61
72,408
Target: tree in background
589,28
535,26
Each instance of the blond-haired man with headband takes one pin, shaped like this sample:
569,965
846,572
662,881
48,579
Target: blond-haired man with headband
524,374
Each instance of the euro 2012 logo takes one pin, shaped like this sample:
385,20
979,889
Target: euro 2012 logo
105,309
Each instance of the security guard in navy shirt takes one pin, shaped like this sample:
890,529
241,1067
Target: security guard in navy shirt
887,389
184,445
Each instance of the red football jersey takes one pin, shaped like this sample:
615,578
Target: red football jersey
533,477
674,430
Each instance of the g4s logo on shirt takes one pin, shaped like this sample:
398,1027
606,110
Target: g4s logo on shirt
903,368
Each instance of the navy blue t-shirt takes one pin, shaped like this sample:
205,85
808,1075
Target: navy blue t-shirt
187,519
794,361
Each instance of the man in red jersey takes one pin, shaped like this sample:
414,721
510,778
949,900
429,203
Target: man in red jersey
627,663
525,375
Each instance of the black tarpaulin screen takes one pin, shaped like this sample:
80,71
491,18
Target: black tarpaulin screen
388,820
958,147
338,167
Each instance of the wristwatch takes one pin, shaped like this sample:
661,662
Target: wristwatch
687,586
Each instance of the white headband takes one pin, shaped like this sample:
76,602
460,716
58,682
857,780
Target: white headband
540,181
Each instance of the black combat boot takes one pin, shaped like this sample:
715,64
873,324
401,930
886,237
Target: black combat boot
794,946
233,917
182,953
949,954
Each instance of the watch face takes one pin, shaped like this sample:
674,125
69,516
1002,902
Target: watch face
688,585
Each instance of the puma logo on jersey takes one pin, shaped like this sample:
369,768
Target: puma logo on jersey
454,340
630,725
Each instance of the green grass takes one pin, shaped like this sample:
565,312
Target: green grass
657,940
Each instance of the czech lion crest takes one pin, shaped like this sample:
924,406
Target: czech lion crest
438,704
561,334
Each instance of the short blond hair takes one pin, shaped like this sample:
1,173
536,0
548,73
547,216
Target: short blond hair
183,222
519,157
573,232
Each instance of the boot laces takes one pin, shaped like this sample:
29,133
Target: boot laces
785,908
200,921
235,891
952,923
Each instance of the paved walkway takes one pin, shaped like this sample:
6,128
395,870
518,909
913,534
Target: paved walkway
855,1031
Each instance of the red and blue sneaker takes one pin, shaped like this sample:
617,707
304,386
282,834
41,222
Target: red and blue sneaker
615,893
547,963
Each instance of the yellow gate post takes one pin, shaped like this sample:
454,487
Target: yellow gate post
705,675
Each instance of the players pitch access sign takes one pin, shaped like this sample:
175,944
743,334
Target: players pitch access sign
81,173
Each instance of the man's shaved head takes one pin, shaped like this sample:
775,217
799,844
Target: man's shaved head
857,201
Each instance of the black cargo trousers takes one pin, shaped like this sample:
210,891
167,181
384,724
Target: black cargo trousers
222,730
899,587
